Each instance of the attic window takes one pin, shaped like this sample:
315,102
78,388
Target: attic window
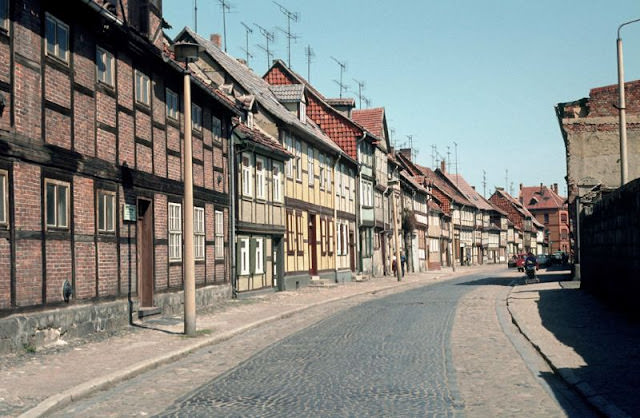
533,201
249,119
303,112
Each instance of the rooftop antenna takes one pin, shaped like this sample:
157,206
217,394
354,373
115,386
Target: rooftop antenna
247,30
413,153
455,144
511,188
343,66
392,132
484,184
361,85
308,52
226,7
290,16
448,156
367,102
506,180
269,37
195,15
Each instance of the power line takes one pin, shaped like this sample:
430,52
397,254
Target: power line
343,67
290,16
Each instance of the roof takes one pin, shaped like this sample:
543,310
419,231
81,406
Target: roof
371,119
540,197
288,93
409,178
514,202
260,88
469,192
267,142
346,101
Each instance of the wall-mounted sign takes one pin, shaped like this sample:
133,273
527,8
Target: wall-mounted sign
129,213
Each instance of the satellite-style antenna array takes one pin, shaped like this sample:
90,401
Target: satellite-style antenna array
343,67
361,97
226,7
290,16
269,37
247,30
308,52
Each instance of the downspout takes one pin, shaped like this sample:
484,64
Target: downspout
359,211
232,211
335,217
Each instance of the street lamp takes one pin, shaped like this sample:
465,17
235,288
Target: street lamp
188,52
621,107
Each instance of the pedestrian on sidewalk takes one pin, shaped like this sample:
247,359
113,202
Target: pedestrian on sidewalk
404,260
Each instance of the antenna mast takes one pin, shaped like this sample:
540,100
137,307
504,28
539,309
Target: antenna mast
248,30
268,36
195,15
343,66
226,7
290,16
411,151
308,52
455,144
484,184
367,102
506,180
361,85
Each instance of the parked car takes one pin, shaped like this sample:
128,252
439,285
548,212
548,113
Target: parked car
543,260
557,257
512,262
517,261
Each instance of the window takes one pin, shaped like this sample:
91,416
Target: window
330,228
142,88
546,218
250,120
244,256
57,38
277,183
321,163
246,176
4,14
104,66
289,147
352,183
260,179
3,196
339,241
172,105
196,117
303,112
300,234
57,203
175,232
198,233
298,161
290,233
323,236
219,234
259,256
366,242
367,193
216,128
310,165
106,212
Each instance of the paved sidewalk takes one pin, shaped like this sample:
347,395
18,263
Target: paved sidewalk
595,350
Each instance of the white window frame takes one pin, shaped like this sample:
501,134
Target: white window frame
107,213
321,164
259,263
57,222
173,104
298,160
198,233
303,112
277,182
142,88
260,178
55,46
4,197
339,238
250,120
246,163
196,117
174,227
310,165
219,234
244,256
366,188
106,59
289,165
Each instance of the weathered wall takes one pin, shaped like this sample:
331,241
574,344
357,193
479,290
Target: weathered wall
610,247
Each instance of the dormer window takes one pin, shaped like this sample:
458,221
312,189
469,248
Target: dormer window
302,112
250,120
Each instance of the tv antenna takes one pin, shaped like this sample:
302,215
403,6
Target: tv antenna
484,184
343,67
195,15
361,85
367,102
455,144
448,156
308,52
226,7
290,16
506,180
392,132
269,37
247,30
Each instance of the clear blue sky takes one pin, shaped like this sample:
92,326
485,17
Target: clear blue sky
484,74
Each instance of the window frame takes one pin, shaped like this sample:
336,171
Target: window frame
173,113
247,171
277,182
56,45
101,196
310,166
196,117
259,256
174,231
299,234
243,253
298,153
219,234
290,232
102,53
261,178
322,169
199,233
4,197
216,128
57,184
289,165
140,77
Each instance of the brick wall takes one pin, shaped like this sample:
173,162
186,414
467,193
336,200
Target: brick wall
610,249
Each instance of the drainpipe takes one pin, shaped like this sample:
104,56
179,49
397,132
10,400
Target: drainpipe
232,211
335,216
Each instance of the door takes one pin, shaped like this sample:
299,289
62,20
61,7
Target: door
144,246
313,249
383,245
352,252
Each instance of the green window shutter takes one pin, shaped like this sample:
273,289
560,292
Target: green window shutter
252,255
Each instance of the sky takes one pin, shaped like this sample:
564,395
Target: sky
475,80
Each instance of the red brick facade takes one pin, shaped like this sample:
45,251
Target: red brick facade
60,123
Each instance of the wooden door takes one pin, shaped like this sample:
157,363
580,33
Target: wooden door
313,249
144,245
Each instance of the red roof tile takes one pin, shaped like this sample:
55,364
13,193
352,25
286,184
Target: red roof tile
540,197
371,119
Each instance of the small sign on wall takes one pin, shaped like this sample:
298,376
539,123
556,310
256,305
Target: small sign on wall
129,213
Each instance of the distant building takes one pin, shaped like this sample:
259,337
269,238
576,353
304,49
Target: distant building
551,210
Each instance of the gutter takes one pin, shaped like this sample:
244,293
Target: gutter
103,12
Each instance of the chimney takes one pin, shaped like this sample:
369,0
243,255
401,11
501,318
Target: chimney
216,39
520,186
406,152
541,188
443,166
555,188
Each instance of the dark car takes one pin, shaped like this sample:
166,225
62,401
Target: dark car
557,257
543,260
